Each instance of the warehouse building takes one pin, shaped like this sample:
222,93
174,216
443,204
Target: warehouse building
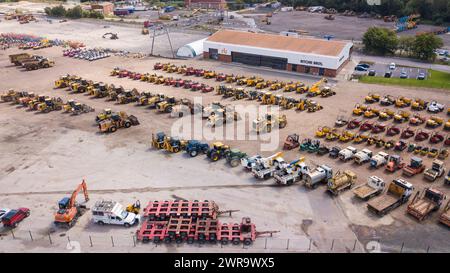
303,55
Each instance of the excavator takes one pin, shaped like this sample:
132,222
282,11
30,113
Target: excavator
112,36
316,89
69,209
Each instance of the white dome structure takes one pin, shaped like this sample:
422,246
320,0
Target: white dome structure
191,50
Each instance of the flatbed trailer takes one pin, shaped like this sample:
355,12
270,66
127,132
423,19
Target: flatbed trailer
398,193
190,230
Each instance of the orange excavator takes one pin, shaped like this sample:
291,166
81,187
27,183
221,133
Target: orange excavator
69,209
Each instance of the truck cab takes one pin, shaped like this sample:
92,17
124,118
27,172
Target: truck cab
380,159
362,156
347,153
113,213
374,186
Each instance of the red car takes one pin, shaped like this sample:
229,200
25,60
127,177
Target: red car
15,216
221,77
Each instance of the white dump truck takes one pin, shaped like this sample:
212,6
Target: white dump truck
341,181
113,213
378,160
398,193
317,176
293,172
266,167
437,170
362,156
347,153
374,186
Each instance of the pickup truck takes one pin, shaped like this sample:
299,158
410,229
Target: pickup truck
437,170
294,172
398,193
347,153
374,186
362,156
13,217
113,213
422,205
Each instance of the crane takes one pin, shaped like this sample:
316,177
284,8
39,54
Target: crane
315,88
69,210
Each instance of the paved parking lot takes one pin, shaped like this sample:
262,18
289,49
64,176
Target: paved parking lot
381,69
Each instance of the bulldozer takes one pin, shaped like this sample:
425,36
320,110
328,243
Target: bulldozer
117,120
322,131
128,96
313,106
63,81
419,104
167,105
69,210
277,85
434,121
269,122
386,114
359,109
51,104
33,104
401,102
155,99
253,81
402,116
209,74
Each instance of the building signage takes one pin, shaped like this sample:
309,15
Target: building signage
311,62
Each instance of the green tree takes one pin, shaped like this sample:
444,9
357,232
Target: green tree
425,45
380,40
75,12
58,11
405,44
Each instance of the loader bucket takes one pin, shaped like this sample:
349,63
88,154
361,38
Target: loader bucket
133,120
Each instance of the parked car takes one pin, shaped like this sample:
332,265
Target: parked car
360,68
364,65
15,216
421,76
388,74
392,66
403,75
372,72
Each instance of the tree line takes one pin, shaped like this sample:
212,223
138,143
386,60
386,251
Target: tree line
384,41
73,13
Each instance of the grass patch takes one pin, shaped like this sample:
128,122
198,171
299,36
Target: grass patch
436,79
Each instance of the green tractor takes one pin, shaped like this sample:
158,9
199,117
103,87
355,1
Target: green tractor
218,151
234,157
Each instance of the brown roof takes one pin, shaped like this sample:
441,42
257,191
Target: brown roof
263,40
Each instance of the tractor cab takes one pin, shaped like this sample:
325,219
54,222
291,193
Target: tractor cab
171,99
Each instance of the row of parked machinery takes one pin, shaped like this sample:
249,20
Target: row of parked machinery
43,103
269,98
162,80
249,81
30,62
287,173
416,104
86,54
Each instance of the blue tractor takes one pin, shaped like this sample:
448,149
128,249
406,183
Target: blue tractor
194,147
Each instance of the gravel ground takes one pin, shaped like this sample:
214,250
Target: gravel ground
46,155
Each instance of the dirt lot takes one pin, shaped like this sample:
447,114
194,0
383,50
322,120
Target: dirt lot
46,155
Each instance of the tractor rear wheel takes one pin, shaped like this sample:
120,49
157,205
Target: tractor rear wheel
127,124
234,162
112,129
193,153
